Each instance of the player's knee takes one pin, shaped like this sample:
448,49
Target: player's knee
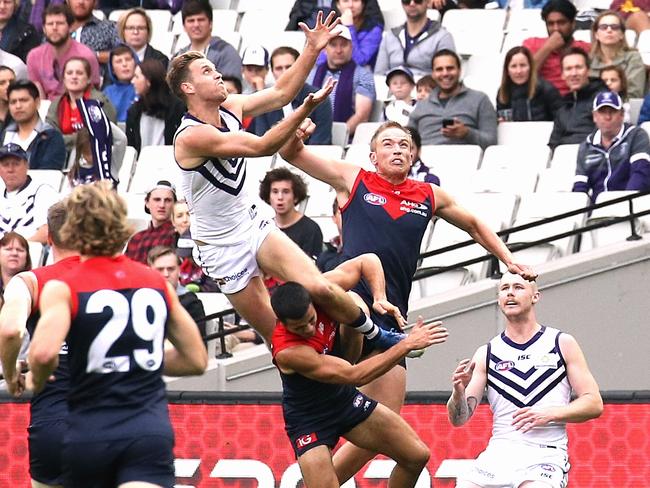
418,457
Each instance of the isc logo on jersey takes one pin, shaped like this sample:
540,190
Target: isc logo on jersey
374,199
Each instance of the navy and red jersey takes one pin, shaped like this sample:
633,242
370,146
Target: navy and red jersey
119,312
51,402
306,401
390,221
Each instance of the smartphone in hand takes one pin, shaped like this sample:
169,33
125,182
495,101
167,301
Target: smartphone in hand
447,122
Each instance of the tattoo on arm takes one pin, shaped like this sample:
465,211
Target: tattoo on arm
472,402
464,410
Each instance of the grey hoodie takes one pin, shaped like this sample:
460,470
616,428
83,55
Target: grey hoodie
391,50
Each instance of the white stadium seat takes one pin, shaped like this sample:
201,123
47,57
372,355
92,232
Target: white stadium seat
155,163
524,132
364,132
528,20
475,31
127,168
340,134
516,156
359,154
52,177
453,164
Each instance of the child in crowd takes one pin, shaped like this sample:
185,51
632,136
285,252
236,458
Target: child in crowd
615,79
121,68
424,87
400,84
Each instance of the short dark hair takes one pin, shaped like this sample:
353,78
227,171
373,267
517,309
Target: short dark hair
299,186
563,7
7,68
570,51
160,251
86,64
23,85
290,301
122,49
179,71
426,80
415,137
235,80
446,52
196,7
335,207
279,51
59,9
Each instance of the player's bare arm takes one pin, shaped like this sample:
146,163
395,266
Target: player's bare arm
468,381
452,212
195,144
340,175
588,403
330,369
188,356
289,84
51,331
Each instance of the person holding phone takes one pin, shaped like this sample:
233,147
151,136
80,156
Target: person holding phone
453,113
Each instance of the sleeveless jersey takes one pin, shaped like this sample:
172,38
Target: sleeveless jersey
390,221
119,314
51,403
306,401
527,375
216,196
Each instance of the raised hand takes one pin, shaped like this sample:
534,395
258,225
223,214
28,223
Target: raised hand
314,99
424,335
306,129
320,35
385,307
462,375
526,272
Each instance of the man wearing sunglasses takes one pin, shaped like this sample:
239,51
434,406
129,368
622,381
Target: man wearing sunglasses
559,17
414,43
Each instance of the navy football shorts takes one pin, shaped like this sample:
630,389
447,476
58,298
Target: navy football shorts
45,441
111,463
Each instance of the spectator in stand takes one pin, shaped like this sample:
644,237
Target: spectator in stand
366,31
164,260
15,63
120,70
284,190
614,78
45,63
635,13
559,17
16,36
99,35
523,96
454,114
197,22
306,11
354,94
14,258
233,85
282,59
616,156
420,171
573,120
414,43
332,254
424,86
63,113
609,47
153,119
43,143
400,86
255,67
135,29
23,203
644,114
7,76
159,203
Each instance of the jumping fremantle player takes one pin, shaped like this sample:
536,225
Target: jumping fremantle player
49,409
233,240
529,371
386,213
320,402
114,314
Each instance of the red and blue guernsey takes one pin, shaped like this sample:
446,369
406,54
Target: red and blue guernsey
314,412
51,402
390,221
115,350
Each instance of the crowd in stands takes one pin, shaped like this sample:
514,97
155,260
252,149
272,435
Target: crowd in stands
78,83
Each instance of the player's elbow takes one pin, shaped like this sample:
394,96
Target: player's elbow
201,362
9,332
42,355
597,407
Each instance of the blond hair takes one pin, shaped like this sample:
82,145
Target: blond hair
121,23
179,70
391,124
96,223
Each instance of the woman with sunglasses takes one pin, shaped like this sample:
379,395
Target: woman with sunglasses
609,47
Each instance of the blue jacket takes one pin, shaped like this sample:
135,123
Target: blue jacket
644,114
625,165
47,150
120,93
321,116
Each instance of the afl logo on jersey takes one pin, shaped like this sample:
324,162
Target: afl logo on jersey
374,199
504,365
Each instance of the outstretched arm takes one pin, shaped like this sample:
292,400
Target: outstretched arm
468,380
195,144
588,403
289,84
448,209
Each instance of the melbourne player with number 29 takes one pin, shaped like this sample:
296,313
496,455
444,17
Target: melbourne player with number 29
115,314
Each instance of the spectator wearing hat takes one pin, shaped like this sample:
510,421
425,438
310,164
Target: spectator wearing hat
616,156
23,203
400,84
354,95
43,143
282,59
255,68
159,203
